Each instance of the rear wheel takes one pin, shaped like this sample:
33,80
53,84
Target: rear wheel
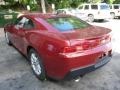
118,17
101,20
112,15
90,18
7,39
36,64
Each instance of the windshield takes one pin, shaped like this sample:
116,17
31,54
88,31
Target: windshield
106,7
67,23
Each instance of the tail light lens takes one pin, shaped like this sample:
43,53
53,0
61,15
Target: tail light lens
87,44
81,47
69,49
108,38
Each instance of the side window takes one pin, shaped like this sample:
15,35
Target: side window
63,11
94,7
17,21
60,11
86,7
20,22
110,7
116,7
80,7
28,24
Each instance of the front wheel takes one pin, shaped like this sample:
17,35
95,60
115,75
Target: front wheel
90,18
36,64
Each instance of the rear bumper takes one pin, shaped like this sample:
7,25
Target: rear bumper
71,65
76,73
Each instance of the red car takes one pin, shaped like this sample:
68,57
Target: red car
60,46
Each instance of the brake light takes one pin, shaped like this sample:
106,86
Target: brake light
69,49
87,44
81,47
108,38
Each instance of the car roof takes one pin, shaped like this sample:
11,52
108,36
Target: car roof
45,16
66,9
114,4
94,4
62,9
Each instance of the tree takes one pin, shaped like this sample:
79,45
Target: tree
108,1
66,3
111,1
11,2
58,3
116,2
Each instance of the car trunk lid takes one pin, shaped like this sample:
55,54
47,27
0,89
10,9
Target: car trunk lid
87,38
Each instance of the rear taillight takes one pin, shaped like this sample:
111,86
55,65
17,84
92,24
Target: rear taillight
81,47
108,38
69,49
87,44
105,39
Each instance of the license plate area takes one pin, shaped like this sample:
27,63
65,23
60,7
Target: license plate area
102,60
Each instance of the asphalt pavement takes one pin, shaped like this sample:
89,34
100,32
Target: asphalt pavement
16,73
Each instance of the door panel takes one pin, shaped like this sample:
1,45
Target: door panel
18,32
21,35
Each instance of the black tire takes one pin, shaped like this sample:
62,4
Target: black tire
101,20
41,75
118,17
7,39
90,18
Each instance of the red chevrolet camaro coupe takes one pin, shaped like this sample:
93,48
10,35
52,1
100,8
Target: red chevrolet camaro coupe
59,46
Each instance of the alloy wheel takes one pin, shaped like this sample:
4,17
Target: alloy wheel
35,63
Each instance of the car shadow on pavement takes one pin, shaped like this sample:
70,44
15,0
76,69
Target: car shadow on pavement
101,21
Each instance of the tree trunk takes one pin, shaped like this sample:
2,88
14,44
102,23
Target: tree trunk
43,6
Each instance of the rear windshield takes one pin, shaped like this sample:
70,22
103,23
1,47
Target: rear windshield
104,7
67,23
